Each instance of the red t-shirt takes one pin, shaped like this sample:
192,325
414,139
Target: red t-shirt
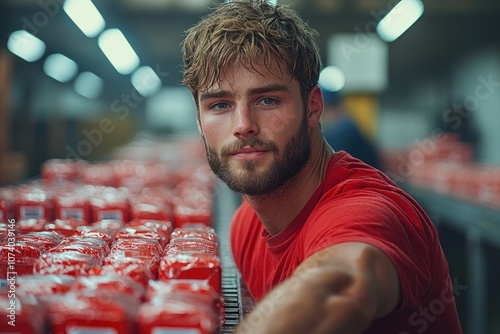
356,203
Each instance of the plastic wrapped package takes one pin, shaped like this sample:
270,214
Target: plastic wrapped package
98,174
164,226
139,270
65,227
146,246
94,246
33,202
197,266
144,208
57,171
22,315
92,312
185,214
110,203
177,313
196,287
18,258
111,225
111,284
74,204
202,232
94,232
31,225
192,245
44,285
144,232
44,240
70,262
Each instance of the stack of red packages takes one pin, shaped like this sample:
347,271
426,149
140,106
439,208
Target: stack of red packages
151,205
33,202
95,232
135,258
44,285
144,228
192,258
110,284
44,240
98,174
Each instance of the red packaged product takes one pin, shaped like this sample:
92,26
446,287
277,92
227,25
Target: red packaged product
111,225
148,247
65,227
17,258
44,285
110,203
31,225
196,287
203,232
85,312
97,247
186,214
22,315
143,232
32,202
72,205
192,245
164,226
139,270
197,266
68,263
98,174
177,313
58,171
110,284
94,232
45,240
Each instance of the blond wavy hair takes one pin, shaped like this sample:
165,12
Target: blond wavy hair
246,32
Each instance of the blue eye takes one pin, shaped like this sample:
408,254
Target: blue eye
269,101
219,106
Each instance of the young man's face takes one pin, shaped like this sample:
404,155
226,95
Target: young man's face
255,128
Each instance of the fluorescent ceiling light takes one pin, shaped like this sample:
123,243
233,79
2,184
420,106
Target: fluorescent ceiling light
60,67
399,19
146,81
88,85
118,51
86,16
26,46
332,78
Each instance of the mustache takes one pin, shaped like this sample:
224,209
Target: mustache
252,142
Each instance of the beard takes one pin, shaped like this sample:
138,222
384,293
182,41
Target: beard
284,167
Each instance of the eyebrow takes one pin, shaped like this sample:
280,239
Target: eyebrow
253,91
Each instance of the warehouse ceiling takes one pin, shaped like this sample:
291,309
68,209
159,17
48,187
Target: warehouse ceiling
447,30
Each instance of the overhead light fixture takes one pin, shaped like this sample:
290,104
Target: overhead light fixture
60,67
26,46
332,78
86,16
88,85
146,81
399,19
118,51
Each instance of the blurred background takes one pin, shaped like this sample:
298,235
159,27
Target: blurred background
84,80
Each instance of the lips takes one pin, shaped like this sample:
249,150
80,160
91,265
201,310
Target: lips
248,153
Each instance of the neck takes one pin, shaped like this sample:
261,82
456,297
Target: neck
277,209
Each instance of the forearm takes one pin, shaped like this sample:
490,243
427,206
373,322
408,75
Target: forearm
317,301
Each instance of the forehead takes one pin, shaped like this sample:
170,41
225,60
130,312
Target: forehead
256,72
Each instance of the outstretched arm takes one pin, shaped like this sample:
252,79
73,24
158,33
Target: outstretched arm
340,289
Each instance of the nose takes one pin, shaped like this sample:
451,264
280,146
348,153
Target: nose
245,122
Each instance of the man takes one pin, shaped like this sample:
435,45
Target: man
324,242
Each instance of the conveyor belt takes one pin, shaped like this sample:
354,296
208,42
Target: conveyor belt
236,299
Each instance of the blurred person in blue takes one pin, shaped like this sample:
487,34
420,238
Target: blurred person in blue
343,134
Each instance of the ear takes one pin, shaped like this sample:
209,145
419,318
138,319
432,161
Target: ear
315,106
